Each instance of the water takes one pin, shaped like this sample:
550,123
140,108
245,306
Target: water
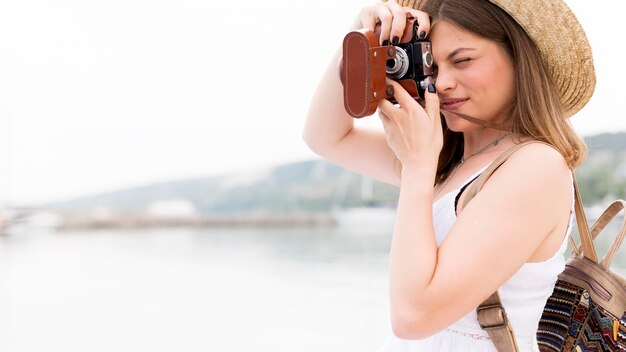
198,290
193,290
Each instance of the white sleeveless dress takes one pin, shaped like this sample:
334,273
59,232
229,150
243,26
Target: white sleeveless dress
523,296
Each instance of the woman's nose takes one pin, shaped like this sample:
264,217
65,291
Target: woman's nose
444,80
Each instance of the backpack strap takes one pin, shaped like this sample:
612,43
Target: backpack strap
492,318
586,239
491,313
603,220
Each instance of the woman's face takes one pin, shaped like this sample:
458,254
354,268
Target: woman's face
474,76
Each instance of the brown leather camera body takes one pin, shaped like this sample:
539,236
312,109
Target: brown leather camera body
363,70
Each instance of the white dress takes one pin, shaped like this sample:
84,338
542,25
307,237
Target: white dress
523,296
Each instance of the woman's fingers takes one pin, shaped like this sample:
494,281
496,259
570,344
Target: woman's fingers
423,21
403,97
367,18
386,18
398,23
412,131
384,119
399,20
432,102
409,104
387,108
391,17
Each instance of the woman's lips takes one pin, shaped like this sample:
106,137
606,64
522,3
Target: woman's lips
451,104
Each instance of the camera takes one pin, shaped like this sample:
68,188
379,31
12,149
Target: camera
413,60
365,64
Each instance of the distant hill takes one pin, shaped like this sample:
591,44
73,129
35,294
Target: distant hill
317,185
612,142
313,185
602,177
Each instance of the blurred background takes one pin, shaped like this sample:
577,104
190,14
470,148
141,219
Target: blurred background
155,193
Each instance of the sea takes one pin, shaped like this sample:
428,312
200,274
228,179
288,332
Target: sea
199,289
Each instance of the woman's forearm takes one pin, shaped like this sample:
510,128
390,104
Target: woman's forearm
413,256
327,121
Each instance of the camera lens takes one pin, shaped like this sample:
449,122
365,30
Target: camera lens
428,59
398,66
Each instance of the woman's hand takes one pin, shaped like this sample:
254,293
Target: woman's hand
392,19
413,132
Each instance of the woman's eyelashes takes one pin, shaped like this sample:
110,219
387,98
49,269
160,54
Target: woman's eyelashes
455,62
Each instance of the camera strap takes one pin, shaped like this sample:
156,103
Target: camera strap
483,123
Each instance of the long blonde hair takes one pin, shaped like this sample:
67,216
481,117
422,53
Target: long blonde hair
536,110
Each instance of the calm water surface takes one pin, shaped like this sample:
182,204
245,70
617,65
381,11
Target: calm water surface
193,290
196,290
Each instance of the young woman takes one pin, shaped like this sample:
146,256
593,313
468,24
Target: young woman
519,68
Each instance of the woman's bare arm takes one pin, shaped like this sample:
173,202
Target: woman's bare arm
522,203
330,132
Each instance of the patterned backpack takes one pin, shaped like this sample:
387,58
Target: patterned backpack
587,309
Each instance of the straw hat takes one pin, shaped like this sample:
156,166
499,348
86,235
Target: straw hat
562,44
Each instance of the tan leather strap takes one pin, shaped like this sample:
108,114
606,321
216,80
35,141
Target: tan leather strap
573,245
491,314
586,241
492,318
602,221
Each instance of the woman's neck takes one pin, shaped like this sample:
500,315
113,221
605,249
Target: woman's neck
476,142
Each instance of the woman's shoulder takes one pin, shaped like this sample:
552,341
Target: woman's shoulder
538,155
539,163
534,171
537,177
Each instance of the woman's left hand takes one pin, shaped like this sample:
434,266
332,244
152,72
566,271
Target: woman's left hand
413,132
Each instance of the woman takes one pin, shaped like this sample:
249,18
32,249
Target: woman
519,69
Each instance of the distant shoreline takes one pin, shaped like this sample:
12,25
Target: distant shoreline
72,222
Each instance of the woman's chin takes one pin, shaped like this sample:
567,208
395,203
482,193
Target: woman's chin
459,124
456,123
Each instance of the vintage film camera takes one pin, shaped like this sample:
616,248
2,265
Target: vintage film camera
365,64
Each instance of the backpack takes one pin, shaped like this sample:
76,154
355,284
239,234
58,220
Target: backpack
587,308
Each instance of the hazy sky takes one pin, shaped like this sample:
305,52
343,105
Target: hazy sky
102,95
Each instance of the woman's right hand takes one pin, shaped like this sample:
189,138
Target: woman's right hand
392,19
